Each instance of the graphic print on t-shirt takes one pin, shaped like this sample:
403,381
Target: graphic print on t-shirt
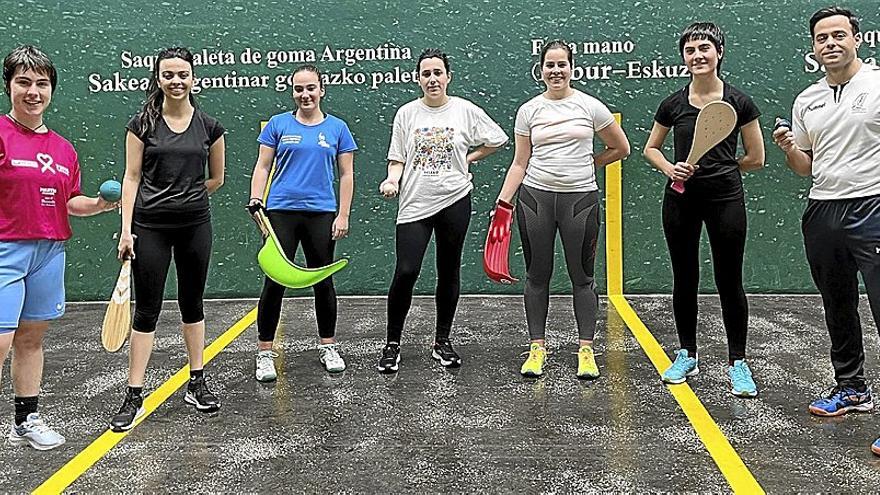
434,149
48,196
44,162
39,173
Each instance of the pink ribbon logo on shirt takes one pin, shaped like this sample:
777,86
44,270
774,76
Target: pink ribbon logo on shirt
46,161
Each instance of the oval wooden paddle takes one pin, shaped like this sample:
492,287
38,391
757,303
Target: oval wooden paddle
117,319
715,122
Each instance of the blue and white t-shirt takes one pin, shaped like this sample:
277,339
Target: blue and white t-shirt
305,158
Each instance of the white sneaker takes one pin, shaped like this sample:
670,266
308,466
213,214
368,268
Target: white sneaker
266,366
36,433
329,356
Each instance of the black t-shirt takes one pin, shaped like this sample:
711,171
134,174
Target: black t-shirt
718,177
172,191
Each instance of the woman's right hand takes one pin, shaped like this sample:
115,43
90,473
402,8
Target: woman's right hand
389,188
254,206
126,246
681,171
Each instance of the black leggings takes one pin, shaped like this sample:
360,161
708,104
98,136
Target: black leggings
153,248
315,231
725,221
576,217
450,225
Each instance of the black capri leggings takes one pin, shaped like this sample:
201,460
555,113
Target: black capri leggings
450,228
191,247
725,221
315,231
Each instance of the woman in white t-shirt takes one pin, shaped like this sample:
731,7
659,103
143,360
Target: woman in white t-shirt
428,161
554,170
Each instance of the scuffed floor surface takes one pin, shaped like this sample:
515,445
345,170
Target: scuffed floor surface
482,428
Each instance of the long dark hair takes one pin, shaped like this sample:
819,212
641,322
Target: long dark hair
148,117
309,68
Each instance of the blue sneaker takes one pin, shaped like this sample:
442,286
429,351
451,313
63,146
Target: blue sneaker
741,382
842,400
875,447
683,367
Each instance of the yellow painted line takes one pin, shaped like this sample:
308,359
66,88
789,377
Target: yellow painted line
75,468
725,456
614,226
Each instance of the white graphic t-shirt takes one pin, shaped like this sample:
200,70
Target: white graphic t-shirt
433,143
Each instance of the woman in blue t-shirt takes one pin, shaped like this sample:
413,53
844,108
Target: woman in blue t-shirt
305,145
713,195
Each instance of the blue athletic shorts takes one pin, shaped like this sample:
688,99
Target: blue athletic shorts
31,282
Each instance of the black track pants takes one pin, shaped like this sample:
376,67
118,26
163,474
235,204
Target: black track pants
842,239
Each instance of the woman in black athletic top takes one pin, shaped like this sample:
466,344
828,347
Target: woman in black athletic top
713,195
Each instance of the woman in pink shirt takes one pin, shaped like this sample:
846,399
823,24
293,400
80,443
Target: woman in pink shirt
40,180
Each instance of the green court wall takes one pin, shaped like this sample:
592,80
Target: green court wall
626,56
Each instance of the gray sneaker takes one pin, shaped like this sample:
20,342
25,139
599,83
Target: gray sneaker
35,432
329,356
265,366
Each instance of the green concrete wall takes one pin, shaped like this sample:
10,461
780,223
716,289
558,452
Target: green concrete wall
627,57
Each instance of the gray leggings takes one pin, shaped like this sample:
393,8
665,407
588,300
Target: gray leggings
576,216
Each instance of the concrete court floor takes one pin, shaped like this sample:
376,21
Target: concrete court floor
482,428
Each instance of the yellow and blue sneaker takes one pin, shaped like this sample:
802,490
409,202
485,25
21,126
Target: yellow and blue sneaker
534,365
587,367
841,400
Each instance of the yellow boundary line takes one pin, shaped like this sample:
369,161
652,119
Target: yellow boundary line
726,458
84,460
75,468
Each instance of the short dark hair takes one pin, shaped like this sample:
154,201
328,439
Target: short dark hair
703,31
557,44
28,57
432,53
831,12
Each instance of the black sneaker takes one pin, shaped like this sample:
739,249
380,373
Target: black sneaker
444,353
197,394
132,409
389,361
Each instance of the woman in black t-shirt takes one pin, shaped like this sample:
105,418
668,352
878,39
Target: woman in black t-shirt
714,196
165,210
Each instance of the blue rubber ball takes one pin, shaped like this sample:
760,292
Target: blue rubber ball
111,191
